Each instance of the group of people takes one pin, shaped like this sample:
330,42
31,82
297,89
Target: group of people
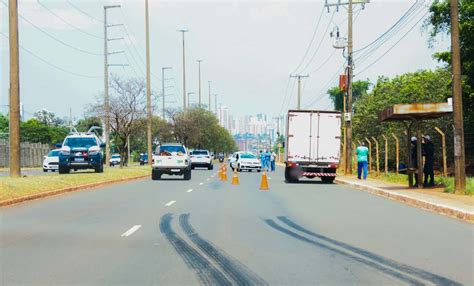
427,151
267,159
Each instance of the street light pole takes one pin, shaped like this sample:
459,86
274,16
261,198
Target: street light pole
15,150
184,72
199,69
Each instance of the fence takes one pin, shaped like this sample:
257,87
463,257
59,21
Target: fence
31,153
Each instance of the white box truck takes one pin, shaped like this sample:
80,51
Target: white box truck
313,141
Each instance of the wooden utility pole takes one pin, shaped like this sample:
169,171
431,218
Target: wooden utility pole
199,70
443,146
148,85
459,156
15,150
298,104
349,93
184,72
386,154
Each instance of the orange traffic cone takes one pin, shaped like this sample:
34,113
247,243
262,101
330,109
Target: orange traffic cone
223,174
235,179
264,182
220,173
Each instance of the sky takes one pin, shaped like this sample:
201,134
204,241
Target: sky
248,50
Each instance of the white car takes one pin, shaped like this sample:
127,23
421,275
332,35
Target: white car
114,160
171,159
51,161
201,158
245,161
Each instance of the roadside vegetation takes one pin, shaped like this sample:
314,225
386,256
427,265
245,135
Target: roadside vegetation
29,185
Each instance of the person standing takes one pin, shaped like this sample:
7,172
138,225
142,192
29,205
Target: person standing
268,158
414,158
273,158
262,160
428,152
362,159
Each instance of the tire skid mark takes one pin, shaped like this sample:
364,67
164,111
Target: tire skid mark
238,272
206,272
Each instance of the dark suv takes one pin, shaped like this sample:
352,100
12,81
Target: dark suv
81,151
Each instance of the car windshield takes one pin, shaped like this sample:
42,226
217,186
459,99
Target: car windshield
115,156
200,152
84,142
54,153
171,149
247,156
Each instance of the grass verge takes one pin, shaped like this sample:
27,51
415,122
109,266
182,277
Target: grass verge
12,188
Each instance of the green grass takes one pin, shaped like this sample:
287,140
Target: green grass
449,185
11,188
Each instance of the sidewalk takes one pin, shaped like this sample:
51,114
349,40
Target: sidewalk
435,200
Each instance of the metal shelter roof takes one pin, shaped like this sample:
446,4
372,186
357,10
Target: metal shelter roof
415,111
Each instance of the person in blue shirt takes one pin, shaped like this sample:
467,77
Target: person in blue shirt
262,160
268,159
362,160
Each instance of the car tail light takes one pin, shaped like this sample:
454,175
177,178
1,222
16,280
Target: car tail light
292,164
333,166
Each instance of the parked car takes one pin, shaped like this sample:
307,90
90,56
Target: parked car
114,160
201,158
51,161
143,159
81,151
245,161
171,159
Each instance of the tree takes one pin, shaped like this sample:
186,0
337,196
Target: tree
84,124
359,88
49,118
126,106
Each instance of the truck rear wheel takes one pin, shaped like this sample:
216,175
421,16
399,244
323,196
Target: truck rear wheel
327,180
187,175
288,177
155,175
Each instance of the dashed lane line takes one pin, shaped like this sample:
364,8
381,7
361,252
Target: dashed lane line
131,230
190,190
170,203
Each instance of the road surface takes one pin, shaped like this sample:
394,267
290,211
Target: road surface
204,231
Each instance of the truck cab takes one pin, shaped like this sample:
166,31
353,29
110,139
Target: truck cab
313,142
171,159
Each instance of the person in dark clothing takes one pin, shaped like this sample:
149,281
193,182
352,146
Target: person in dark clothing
428,152
414,157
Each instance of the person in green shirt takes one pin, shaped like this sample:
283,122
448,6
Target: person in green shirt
362,159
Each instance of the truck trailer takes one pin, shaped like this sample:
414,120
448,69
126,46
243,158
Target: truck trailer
313,142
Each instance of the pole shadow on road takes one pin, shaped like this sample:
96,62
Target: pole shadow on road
218,268
403,272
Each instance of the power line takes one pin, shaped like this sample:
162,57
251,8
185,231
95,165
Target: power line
51,64
396,43
83,12
55,38
67,23
311,42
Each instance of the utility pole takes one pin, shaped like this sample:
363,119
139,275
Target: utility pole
209,82
199,68
298,105
15,150
106,83
184,72
189,98
459,155
215,103
163,90
148,85
350,71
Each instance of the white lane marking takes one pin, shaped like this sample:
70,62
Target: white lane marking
190,190
170,203
200,184
207,179
131,231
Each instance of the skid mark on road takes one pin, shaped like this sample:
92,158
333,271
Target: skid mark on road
403,272
206,272
238,272
131,230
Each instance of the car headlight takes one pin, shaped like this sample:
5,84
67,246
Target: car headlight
65,150
94,150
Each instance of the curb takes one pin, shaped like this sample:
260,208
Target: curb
66,190
430,206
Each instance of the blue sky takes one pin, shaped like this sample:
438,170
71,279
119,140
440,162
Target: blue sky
248,49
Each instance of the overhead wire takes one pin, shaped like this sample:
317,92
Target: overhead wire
83,12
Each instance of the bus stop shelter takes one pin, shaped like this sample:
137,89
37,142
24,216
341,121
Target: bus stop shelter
413,115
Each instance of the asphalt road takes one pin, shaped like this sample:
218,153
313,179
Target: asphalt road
26,172
203,231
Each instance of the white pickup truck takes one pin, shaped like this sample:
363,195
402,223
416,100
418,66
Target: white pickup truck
171,159
313,142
